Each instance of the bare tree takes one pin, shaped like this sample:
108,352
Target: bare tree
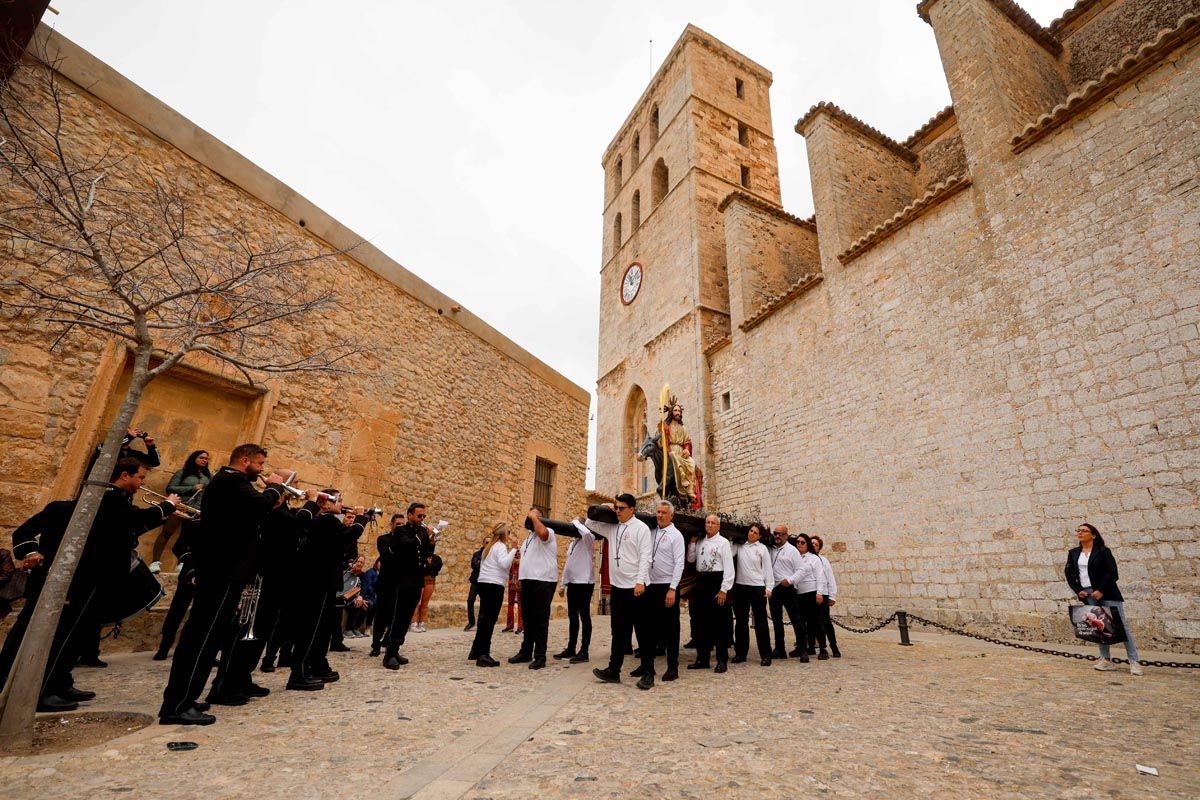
98,243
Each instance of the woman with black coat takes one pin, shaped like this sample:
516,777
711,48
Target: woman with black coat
1091,572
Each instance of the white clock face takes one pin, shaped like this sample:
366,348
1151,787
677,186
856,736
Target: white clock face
631,283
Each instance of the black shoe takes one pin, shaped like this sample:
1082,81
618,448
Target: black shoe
189,717
690,644
520,658
306,684
646,682
766,662
93,662
339,648
835,653
721,667
332,676
671,675
739,659
267,666
391,661
254,690
471,656
227,699
804,658
160,655
374,651
699,665
637,672
486,661
538,663
812,651
53,702
579,658
201,707
77,695
779,653
823,656
606,675
470,626
567,653
796,652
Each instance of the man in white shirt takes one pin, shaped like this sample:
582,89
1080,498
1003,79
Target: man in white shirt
578,584
667,553
785,567
710,597
629,553
538,574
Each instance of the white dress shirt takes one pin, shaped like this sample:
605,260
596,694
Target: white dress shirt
811,575
754,565
713,554
496,565
830,581
629,551
666,555
539,559
785,563
580,566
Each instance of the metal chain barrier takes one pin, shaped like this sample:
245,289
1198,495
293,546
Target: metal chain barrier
1016,645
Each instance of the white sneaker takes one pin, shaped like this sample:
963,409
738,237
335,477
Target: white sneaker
1104,665
1135,668
423,628
155,566
416,626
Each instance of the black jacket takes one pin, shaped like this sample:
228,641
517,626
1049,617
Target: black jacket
402,557
231,512
476,561
1102,572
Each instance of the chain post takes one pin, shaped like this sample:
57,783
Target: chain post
902,623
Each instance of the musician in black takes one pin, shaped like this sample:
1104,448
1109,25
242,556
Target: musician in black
102,568
385,593
404,565
355,524
281,535
230,515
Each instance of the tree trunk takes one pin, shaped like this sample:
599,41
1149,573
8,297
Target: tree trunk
18,701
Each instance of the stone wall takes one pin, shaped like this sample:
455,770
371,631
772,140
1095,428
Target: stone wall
449,412
987,366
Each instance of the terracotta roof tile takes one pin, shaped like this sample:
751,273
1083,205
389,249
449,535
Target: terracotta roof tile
776,302
858,125
1019,17
717,345
937,119
1129,67
937,193
759,203
1071,14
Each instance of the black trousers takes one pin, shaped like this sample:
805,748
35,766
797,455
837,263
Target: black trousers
307,621
472,593
713,620
826,624
813,632
72,639
747,600
184,592
209,626
235,669
537,597
783,598
664,623
628,614
579,615
12,642
491,598
385,609
407,600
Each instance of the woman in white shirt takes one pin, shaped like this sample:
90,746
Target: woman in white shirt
809,581
826,602
751,588
493,577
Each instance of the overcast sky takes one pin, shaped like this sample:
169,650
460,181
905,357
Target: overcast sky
464,138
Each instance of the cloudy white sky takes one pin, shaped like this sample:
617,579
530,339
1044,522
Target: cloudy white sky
464,138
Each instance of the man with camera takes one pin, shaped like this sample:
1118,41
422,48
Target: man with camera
231,511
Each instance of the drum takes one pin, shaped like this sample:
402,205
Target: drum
138,592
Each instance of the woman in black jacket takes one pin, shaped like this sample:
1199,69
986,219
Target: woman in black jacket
1092,574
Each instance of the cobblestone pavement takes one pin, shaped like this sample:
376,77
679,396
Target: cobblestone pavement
949,717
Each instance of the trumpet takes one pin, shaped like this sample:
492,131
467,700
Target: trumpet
247,610
181,510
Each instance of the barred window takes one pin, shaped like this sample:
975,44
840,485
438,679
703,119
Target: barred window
543,485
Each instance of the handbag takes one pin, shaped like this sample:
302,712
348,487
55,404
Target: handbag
1097,624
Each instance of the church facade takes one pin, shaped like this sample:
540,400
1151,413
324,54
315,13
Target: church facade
987,333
